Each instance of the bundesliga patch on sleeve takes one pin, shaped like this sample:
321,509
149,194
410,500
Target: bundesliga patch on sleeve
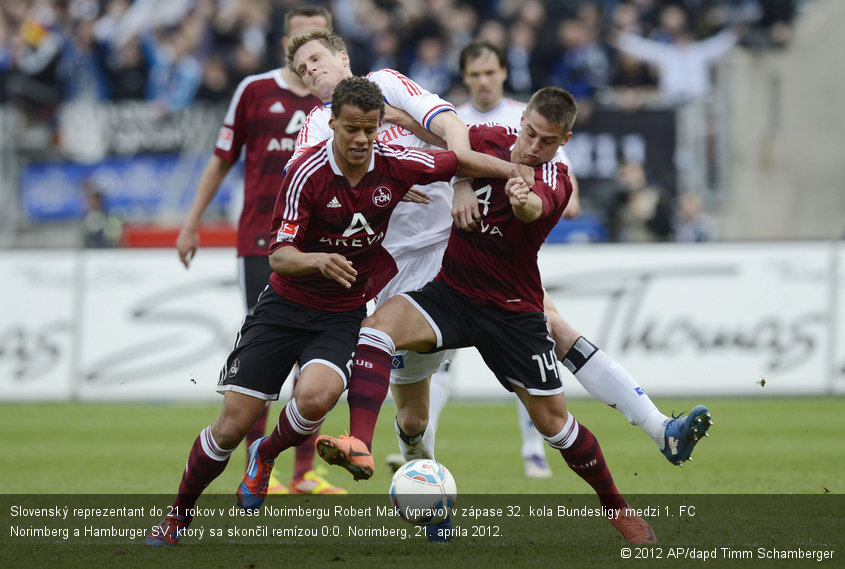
225,138
286,232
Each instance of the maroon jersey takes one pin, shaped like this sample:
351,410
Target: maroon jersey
318,211
496,264
266,117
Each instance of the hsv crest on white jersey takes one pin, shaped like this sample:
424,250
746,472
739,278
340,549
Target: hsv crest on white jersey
412,226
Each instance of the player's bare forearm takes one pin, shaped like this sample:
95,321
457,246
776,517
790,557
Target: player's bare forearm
448,126
406,121
526,205
473,164
293,262
188,240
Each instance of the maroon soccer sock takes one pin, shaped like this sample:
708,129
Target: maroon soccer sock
292,430
303,460
259,427
369,383
205,463
583,455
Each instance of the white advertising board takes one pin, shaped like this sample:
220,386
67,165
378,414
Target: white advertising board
717,319
690,319
37,328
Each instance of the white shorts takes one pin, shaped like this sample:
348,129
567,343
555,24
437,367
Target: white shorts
414,272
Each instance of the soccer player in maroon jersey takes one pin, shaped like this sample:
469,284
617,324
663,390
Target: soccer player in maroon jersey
328,260
489,295
264,116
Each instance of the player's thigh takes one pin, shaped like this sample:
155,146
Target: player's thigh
449,315
401,319
547,412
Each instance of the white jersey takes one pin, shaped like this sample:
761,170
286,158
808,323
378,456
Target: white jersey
413,227
508,112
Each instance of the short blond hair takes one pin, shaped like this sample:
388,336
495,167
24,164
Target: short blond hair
328,38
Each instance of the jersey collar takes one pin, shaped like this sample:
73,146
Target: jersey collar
333,163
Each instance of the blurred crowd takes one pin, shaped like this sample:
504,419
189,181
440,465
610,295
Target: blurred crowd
175,52
617,53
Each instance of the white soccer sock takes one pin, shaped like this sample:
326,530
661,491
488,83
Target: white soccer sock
566,437
533,443
210,447
377,339
438,395
413,447
299,423
611,384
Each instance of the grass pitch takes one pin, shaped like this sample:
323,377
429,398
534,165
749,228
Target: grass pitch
768,481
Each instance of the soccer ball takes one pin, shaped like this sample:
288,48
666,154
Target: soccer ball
423,492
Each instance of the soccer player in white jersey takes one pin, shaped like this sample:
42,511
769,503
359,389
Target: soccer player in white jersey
484,71
417,236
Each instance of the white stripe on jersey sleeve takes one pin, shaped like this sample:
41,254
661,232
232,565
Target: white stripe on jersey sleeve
297,182
404,94
423,158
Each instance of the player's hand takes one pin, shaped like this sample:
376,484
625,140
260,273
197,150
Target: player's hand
415,195
524,172
465,212
187,244
337,268
517,191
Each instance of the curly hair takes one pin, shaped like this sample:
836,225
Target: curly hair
358,92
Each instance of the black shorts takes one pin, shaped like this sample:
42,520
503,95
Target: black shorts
253,275
280,333
516,346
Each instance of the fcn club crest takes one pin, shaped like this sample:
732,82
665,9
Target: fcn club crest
381,196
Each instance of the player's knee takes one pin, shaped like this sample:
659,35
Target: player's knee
228,432
411,420
316,404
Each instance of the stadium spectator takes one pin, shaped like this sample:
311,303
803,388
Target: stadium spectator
641,212
175,73
683,63
100,228
312,310
264,117
692,224
428,67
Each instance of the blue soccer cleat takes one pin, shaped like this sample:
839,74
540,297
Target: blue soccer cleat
682,434
440,532
253,489
168,532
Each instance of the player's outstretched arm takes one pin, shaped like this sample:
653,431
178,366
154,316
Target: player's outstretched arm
188,240
472,164
448,126
291,261
406,121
